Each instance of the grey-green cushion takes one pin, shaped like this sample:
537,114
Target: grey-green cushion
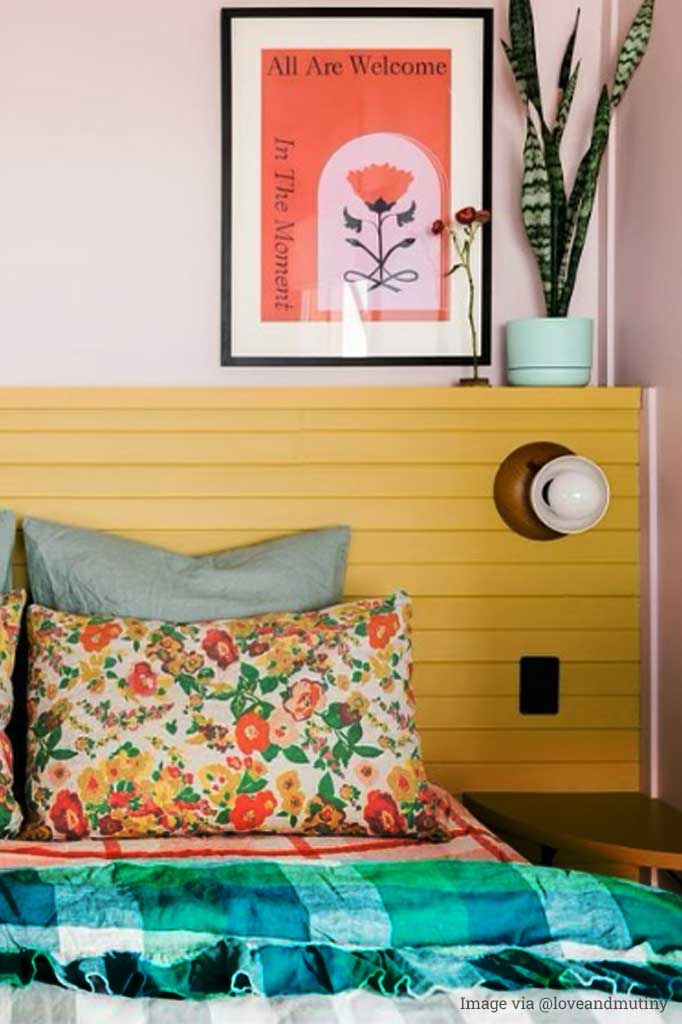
78,570
7,532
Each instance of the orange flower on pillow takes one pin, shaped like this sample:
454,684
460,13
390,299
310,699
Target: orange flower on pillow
67,815
252,732
381,628
249,812
98,635
304,697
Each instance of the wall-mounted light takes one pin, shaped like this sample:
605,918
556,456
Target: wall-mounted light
544,491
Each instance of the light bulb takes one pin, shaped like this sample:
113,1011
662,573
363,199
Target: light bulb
570,494
574,495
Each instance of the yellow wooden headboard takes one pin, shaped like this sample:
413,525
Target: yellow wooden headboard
411,471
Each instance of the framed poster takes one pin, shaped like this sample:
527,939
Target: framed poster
346,133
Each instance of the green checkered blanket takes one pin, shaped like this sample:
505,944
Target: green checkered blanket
197,929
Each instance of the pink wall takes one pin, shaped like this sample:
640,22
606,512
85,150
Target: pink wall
110,193
649,313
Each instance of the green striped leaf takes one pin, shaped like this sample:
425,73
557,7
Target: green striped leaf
557,197
522,34
581,203
567,62
565,104
520,80
633,50
536,206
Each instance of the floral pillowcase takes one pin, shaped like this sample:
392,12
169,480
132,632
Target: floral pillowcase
284,722
11,608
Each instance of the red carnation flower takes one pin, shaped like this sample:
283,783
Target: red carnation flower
380,186
467,215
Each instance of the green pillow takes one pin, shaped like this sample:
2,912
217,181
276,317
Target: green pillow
7,531
88,572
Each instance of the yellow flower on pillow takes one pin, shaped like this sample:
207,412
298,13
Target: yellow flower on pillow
92,786
287,782
218,782
402,783
292,802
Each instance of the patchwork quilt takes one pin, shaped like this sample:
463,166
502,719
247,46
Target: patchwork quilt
196,930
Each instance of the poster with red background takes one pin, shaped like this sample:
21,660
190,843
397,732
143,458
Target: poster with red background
355,167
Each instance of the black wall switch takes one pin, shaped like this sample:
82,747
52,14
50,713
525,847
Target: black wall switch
539,686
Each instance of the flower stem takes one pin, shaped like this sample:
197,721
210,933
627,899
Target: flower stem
464,254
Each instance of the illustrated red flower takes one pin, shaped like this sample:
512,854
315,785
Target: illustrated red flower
438,227
252,732
142,680
120,798
249,812
220,647
467,215
67,815
6,752
108,826
483,216
381,628
97,635
258,647
304,696
382,815
380,186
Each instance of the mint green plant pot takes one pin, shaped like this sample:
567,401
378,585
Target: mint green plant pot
550,352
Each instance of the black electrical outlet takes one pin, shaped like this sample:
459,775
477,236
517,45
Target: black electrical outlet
539,686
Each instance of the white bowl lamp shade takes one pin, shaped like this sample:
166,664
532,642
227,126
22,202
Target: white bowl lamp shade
570,494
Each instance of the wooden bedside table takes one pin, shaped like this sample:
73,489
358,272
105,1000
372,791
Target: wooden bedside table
629,828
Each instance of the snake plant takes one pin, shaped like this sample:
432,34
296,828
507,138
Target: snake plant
557,220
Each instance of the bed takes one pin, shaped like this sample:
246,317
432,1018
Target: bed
334,928
289,928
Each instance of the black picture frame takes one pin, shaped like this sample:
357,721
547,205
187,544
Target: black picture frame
486,16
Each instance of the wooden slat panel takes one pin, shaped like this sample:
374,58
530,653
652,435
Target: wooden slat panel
232,482
411,471
499,645
555,778
492,401
284,514
503,713
473,580
545,613
498,580
488,679
497,746
250,421
442,547
338,448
